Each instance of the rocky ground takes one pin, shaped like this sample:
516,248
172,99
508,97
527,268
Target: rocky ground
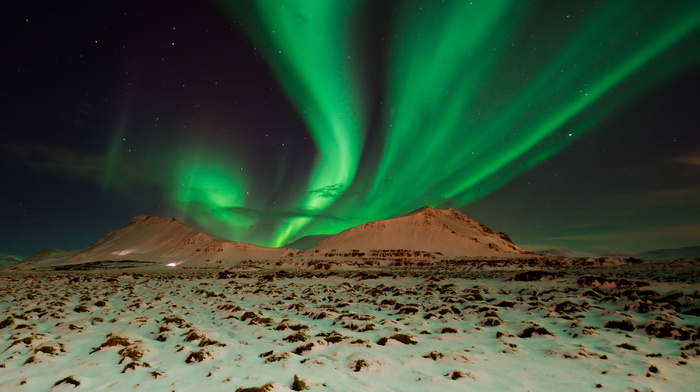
454,327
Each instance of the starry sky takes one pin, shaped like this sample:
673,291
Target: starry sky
572,125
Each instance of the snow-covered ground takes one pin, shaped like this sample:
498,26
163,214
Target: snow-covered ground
380,330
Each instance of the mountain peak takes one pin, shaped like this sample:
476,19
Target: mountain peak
448,232
142,220
158,240
432,211
423,210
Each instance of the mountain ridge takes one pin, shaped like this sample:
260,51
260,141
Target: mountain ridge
151,238
448,232
166,241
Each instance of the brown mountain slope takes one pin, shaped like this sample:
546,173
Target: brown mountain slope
156,239
427,229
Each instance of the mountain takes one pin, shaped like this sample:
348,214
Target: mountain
427,229
691,252
163,241
569,254
8,261
156,239
308,241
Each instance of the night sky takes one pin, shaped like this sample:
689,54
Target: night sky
566,124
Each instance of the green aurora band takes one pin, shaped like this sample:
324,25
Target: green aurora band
490,139
306,45
209,188
475,93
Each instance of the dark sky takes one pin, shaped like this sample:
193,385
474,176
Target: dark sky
569,125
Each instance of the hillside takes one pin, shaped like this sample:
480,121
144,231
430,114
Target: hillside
155,239
427,229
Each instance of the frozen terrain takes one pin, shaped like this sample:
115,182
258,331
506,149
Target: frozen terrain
463,327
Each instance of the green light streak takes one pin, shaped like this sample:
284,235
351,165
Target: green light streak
437,60
210,190
465,147
475,94
306,46
113,154
635,58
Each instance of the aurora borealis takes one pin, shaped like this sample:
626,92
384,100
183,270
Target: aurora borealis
560,123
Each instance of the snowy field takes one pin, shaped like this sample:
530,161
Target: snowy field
385,329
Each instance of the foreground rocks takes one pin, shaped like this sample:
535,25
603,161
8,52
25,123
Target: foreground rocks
621,327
